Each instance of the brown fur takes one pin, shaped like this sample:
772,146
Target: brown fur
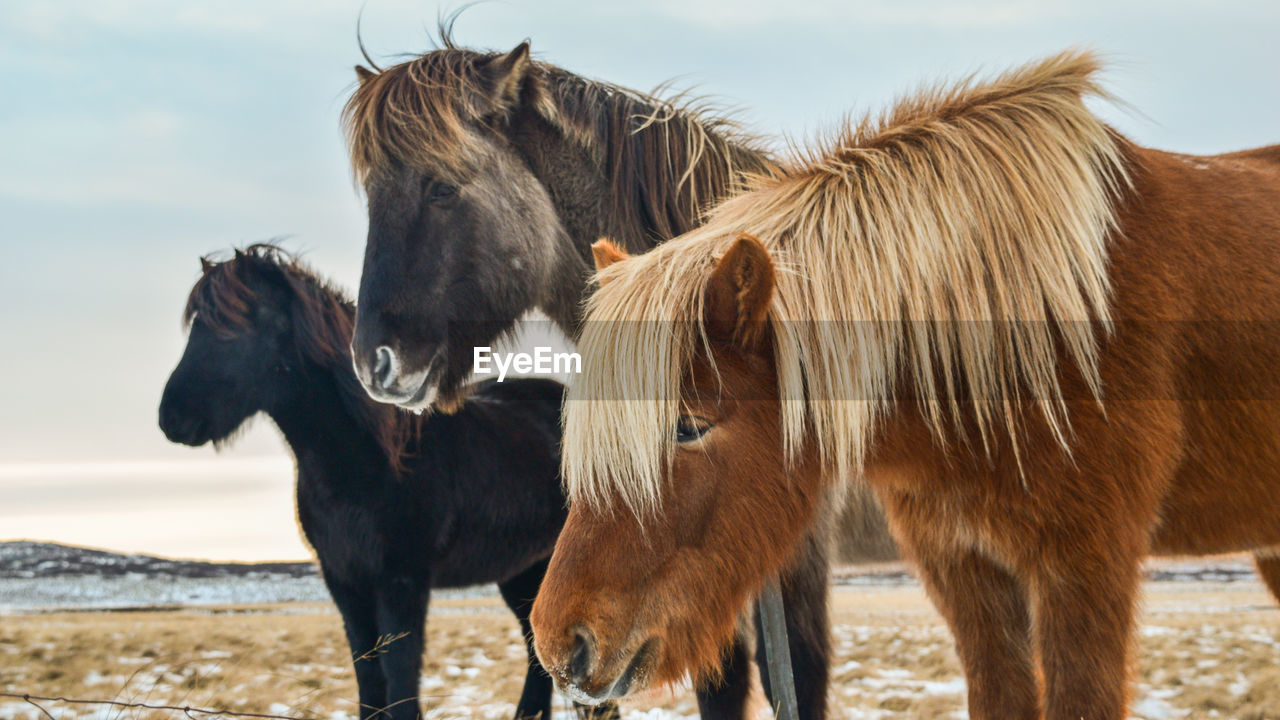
1159,436
955,255
706,597
1268,565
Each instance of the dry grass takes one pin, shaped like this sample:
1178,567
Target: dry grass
1207,650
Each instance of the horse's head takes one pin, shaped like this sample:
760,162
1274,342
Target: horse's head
462,236
241,352
647,586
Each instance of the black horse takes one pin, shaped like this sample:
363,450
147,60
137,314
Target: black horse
393,504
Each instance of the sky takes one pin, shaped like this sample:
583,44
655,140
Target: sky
136,135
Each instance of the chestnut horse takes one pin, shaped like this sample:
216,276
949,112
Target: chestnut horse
1049,351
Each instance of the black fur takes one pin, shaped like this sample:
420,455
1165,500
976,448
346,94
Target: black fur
392,505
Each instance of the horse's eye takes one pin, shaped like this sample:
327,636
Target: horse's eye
439,192
691,427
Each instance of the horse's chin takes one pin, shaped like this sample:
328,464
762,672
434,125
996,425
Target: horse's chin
195,438
431,398
422,399
583,697
441,392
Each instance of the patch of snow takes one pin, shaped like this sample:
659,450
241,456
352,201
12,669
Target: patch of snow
951,687
1154,708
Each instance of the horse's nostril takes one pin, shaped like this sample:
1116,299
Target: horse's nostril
580,662
386,367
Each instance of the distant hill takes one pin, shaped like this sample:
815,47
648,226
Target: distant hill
40,577
26,559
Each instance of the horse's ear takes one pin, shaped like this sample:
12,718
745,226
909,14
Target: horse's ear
606,253
205,264
502,77
364,74
739,292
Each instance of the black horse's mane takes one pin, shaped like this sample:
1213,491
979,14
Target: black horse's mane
321,318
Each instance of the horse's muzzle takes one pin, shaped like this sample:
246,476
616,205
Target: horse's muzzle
386,379
591,679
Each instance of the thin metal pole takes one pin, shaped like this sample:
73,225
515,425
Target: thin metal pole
777,652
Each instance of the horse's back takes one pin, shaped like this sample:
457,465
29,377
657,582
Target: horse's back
1268,154
1196,351
1199,238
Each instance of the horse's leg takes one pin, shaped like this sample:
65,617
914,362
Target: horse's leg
727,698
402,615
1268,564
986,608
805,587
1083,608
985,605
357,609
519,593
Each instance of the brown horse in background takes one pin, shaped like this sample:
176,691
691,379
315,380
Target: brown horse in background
1049,351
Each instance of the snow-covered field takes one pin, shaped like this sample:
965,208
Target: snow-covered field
21,595
39,577
26,595
1207,650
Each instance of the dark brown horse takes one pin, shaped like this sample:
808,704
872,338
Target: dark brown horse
1050,352
488,177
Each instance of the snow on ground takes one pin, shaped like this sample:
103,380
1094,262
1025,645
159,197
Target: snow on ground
1207,649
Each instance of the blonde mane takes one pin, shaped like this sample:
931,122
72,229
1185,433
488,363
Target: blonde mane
953,247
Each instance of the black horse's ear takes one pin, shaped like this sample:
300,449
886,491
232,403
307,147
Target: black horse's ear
205,264
364,74
502,77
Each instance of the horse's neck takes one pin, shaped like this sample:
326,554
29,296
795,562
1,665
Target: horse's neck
326,428
575,181
583,196
580,192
